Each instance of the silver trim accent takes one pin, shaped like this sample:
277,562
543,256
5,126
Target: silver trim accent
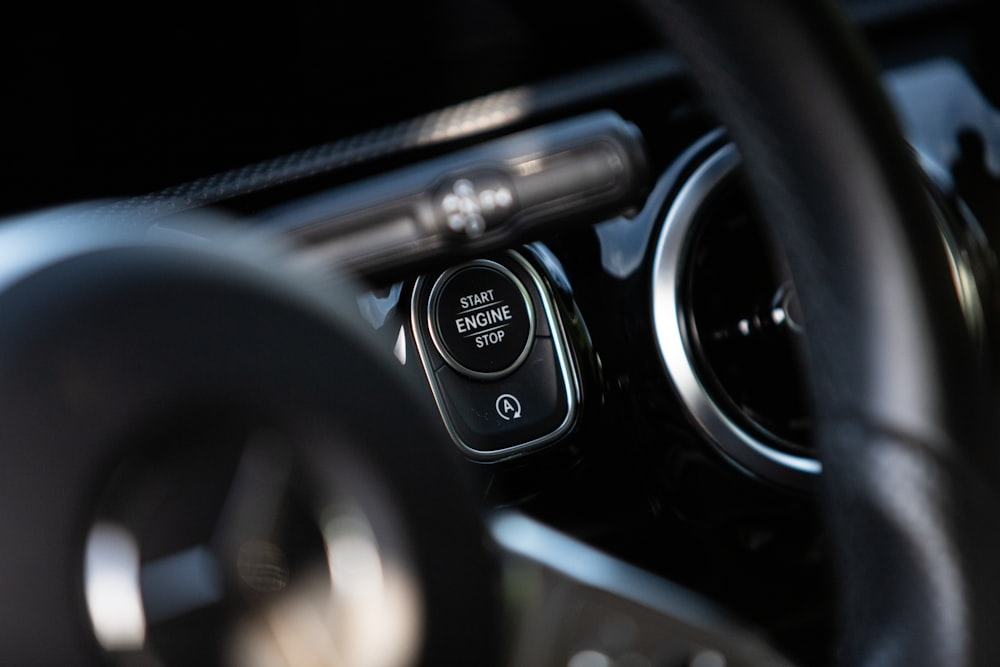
550,576
563,359
704,411
111,587
731,439
433,325
962,272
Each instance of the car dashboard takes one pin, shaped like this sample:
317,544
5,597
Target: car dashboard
620,364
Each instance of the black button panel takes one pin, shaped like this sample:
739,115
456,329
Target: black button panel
495,355
481,318
522,407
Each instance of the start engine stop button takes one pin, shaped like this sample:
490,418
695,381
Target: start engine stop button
481,319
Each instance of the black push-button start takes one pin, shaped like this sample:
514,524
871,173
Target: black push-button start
482,319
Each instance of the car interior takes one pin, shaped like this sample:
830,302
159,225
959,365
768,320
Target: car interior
634,334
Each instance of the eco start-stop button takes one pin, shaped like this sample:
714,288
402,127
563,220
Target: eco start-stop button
481,319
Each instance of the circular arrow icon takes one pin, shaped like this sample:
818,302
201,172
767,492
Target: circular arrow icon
508,407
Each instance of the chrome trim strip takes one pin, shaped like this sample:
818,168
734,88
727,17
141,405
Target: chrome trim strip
552,577
564,360
704,411
112,587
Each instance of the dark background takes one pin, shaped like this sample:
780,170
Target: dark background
111,104
106,103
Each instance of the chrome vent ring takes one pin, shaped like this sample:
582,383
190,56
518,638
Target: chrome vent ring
736,434
716,287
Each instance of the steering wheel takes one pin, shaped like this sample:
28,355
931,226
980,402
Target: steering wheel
116,348
903,410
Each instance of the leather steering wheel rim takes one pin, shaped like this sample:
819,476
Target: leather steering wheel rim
112,339
902,405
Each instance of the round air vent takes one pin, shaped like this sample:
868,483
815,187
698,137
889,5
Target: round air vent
728,326
742,323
